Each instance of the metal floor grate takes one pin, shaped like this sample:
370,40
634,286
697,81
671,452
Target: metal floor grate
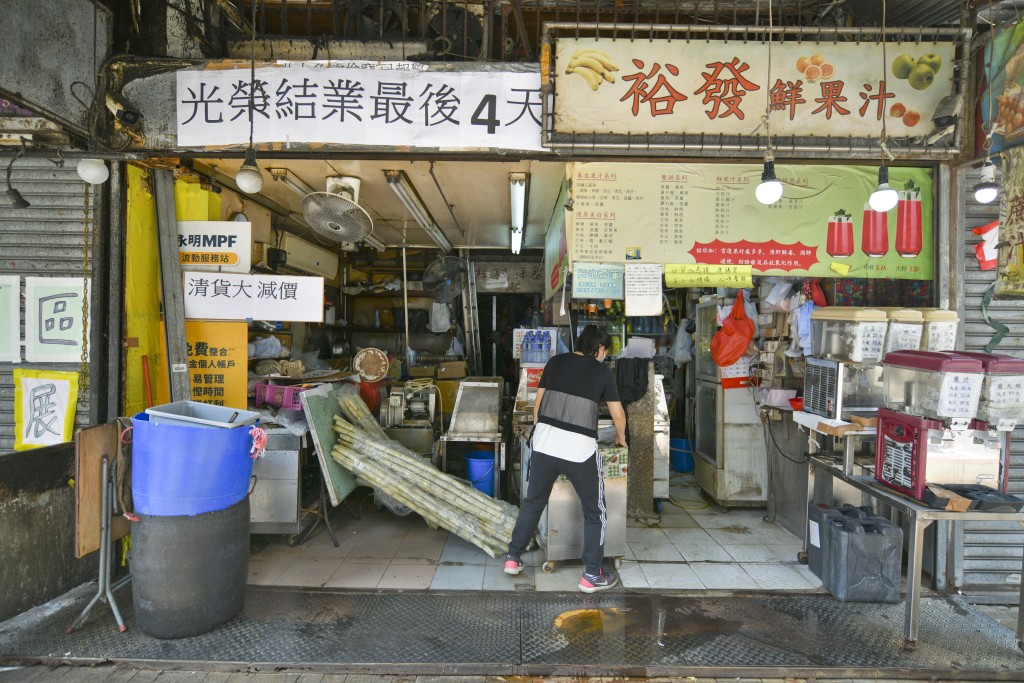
614,633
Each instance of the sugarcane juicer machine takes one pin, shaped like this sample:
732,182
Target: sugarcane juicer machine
410,416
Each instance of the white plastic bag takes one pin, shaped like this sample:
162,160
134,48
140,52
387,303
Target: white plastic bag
440,317
682,347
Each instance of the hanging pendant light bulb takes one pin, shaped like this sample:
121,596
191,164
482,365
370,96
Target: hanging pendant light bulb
987,189
884,198
249,178
769,190
93,171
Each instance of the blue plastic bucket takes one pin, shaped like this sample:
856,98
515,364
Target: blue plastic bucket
480,471
182,470
680,455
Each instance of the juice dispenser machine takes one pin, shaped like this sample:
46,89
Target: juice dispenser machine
844,372
928,432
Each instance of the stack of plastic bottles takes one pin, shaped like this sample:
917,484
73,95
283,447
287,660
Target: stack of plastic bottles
536,347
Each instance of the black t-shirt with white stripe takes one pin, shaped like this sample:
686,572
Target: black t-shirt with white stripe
574,387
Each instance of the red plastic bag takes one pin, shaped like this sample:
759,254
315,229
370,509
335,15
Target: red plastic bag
730,343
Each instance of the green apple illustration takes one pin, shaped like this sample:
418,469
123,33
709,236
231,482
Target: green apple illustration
903,65
932,60
921,77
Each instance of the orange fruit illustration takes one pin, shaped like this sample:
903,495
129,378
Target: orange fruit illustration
817,60
911,118
802,64
897,110
827,70
812,72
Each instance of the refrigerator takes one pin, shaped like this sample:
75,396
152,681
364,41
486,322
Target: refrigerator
731,462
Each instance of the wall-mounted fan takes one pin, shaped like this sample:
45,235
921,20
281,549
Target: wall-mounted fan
336,214
444,278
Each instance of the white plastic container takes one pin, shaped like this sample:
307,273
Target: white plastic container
848,333
940,327
196,414
1002,392
933,384
904,330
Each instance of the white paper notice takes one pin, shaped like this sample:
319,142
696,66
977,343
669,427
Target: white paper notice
231,296
643,289
813,536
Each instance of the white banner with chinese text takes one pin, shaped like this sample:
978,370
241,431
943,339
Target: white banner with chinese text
227,296
719,87
354,106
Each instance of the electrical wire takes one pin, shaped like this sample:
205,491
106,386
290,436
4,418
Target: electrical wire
421,383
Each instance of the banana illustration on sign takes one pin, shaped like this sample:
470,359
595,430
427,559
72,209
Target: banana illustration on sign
593,65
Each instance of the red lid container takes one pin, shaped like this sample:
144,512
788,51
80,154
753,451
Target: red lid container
934,361
996,363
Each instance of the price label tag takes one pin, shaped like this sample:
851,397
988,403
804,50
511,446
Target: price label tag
869,342
902,336
1006,390
959,394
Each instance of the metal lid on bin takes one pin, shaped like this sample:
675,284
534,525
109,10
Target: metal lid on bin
936,361
902,315
996,363
854,314
932,315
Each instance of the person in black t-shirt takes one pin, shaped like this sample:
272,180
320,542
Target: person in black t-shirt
564,442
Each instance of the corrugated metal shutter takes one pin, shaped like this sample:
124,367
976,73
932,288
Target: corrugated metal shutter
44,240
992,550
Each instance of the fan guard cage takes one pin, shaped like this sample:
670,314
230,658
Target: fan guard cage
444,278
336,217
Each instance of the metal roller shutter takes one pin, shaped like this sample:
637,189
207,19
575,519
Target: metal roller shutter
992,550
44,240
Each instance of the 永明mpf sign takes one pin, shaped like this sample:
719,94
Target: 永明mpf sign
222,246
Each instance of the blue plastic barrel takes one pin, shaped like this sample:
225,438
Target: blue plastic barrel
183,470
680,455
480,470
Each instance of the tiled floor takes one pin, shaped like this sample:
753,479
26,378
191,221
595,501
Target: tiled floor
695,547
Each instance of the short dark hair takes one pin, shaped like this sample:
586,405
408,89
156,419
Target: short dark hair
592,339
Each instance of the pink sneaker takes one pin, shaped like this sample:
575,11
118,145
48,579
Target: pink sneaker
513,565
590,583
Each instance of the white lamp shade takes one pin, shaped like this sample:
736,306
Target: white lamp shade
249,178
987,190
985,193
884,199
768,191
93,171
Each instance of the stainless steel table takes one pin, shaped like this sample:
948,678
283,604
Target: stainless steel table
919,517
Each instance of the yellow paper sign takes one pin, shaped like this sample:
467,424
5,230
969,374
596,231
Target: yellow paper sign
841,268
706,275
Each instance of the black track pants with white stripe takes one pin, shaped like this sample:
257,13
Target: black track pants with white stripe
586,477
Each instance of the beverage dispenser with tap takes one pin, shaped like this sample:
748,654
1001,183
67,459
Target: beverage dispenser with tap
927,433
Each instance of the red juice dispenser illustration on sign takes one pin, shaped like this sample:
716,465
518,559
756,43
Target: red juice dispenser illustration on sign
908,222
839,241
874,238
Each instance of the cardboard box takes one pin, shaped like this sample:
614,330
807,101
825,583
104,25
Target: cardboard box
422,371
448,390
452,370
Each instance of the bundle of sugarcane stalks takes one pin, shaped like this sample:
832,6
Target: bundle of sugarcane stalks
441,499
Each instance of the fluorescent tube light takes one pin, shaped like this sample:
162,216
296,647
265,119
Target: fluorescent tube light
517,240
401,186
372,241
295,183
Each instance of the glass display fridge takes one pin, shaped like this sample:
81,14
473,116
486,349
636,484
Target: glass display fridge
731,463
